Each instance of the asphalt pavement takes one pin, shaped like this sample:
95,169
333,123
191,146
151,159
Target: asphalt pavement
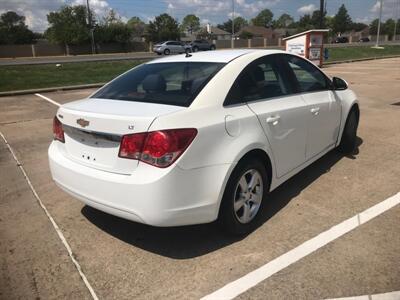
126,260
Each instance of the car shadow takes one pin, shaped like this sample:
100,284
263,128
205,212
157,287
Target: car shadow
192,241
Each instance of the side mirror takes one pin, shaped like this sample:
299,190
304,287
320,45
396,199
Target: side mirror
339,84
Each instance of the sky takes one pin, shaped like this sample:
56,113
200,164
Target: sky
209,11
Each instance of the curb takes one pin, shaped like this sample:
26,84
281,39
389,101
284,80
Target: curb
51,89
358,59
94,85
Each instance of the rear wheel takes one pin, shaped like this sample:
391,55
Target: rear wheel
167,52
244,197
195,49
349,136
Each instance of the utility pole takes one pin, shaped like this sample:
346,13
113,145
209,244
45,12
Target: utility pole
321,13
396,19
233,21
90,27
379,24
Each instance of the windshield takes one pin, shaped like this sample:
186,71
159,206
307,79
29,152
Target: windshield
174,83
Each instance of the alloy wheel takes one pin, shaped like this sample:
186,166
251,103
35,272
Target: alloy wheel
248,196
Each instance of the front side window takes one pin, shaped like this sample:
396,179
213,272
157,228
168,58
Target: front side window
262,79
309,78
176,83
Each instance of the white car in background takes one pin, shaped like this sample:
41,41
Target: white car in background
191,139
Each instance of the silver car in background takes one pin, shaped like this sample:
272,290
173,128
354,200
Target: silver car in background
170,47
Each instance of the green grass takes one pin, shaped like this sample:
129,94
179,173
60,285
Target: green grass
346,53
43,76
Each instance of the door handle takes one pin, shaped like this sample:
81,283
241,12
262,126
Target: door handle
273,120
315,110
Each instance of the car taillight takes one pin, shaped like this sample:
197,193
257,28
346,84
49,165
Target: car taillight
158,148
58,131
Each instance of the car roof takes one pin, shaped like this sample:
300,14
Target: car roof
221,56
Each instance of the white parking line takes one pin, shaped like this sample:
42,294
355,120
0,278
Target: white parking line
48,99
57,229
239,286
386,296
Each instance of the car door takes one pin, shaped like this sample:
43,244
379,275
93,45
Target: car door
204,45
324,109
172,47
282,114
178,47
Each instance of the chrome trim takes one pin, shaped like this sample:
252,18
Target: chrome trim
99,135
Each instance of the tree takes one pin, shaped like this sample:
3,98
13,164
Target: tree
13,29
164,27
388,28
304,23
239,23
264,18
246,35
191,23
284,21
137,26
316,19
373,27
112,30
342,21
111,18
358,26
68,25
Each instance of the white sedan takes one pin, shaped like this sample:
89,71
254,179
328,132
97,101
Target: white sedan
191,139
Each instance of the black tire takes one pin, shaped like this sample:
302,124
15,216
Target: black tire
195,49
167,52
228,218
349,136
212,47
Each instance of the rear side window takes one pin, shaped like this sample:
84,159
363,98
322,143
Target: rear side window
262,79
175,83
309,78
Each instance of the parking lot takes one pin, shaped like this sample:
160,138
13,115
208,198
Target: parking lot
126,260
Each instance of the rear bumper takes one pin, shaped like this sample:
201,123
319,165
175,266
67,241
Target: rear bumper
158,197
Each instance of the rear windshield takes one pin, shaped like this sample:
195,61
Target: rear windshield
176,83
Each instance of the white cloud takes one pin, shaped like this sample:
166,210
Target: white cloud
307,9
390,8
35,11
212,9
99,7
205,21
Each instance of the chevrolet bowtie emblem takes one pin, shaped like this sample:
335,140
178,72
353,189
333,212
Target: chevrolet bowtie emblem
82,122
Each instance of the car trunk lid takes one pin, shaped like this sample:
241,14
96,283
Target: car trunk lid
94,128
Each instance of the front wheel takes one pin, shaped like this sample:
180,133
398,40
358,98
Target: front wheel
349,136
244,197
195,49
212,47
167,52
